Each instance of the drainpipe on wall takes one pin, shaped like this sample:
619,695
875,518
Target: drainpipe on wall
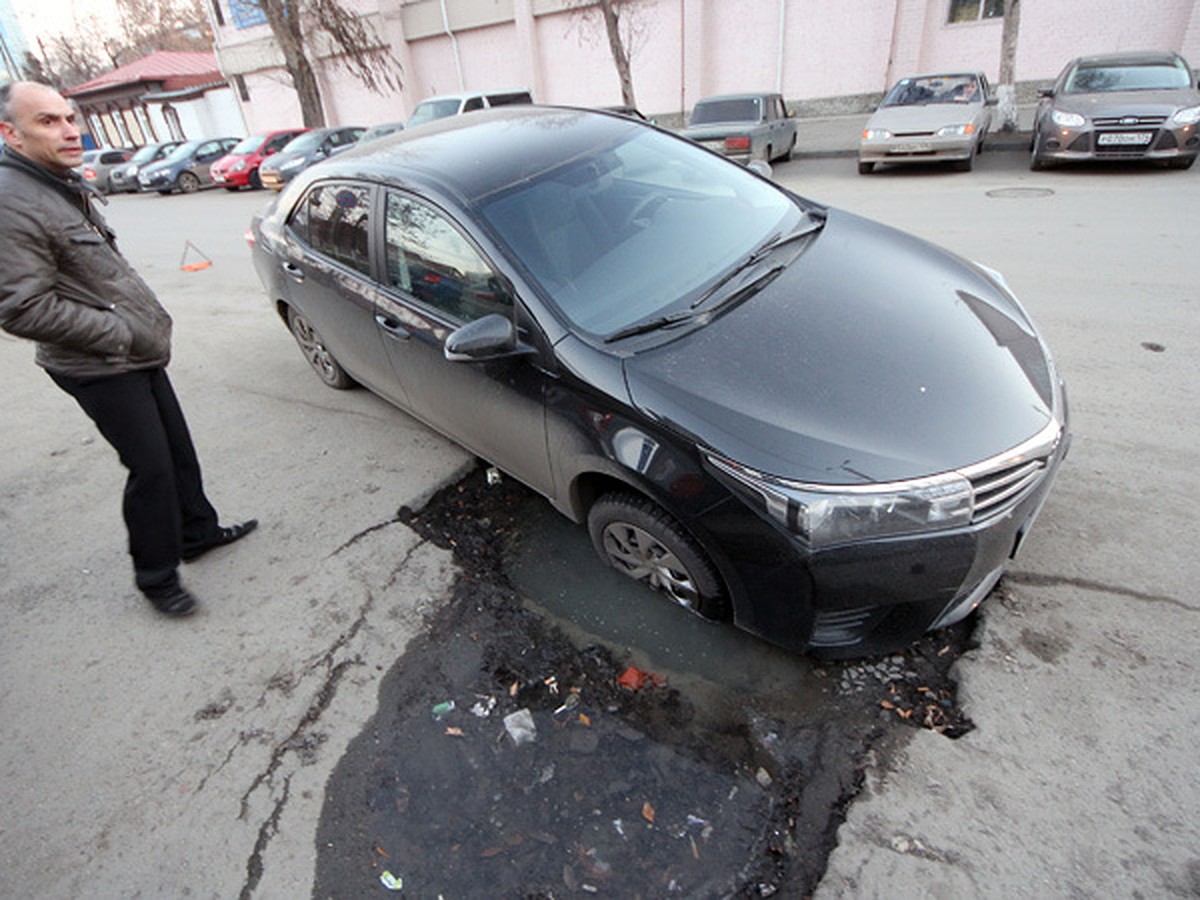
454,45
779,62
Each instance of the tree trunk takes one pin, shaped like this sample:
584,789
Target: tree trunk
620,56
1006,90
285,25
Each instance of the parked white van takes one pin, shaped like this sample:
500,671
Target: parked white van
454,104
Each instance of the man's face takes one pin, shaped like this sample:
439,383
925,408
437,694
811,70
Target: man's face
42,127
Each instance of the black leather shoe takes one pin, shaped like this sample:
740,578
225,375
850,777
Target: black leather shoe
174,601
220,538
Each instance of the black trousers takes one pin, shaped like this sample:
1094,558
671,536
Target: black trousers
164,505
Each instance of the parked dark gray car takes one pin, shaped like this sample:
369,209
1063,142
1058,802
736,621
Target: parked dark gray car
305,150
744,126
125,178
828,431
1119,106
186,168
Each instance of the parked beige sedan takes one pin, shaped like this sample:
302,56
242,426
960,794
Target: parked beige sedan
929,118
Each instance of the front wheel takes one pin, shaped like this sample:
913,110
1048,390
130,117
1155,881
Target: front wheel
642,540
322,361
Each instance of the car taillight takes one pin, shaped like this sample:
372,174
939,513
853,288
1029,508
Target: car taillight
249,235
737,143
89,174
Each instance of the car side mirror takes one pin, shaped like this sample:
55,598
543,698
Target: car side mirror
489,337
992,101
1045,92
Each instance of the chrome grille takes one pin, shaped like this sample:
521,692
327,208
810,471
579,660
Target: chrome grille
1001,483
1128,121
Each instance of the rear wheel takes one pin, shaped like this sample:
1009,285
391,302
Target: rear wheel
322,361
642,540
188,183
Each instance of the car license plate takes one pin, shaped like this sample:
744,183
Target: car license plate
1124,138
920,147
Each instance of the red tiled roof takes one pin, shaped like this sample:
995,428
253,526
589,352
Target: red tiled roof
174,69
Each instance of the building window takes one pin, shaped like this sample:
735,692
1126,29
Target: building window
974,10
246,13
172,119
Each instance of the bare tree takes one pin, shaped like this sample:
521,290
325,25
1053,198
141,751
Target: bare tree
1006,90
150,25
611,12
298,24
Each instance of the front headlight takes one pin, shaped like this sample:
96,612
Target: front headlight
956,130
239,166
876,134
1189,116
1067,119
827,515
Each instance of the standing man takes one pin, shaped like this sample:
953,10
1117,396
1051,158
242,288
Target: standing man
102,337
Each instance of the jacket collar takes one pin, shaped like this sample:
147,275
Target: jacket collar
69,184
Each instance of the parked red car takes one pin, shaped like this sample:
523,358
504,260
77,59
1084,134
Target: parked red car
239,167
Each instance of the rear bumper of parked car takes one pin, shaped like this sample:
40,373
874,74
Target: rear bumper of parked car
917,149
1066,144
876,596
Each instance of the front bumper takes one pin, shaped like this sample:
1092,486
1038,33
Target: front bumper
871,597
1118,142
926,148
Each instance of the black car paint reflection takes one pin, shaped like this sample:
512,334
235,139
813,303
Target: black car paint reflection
829,431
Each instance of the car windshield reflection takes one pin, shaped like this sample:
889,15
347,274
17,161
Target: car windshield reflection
637,230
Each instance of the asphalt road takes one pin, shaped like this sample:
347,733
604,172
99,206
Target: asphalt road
158,758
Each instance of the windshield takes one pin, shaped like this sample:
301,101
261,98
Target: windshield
429,110
248,144
739,110
934,89
146,154
1154,77
636,230
305,142
183,151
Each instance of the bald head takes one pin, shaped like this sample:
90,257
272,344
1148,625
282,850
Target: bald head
37,122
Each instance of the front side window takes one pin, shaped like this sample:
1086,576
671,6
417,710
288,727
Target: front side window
429,259
974,10
333,219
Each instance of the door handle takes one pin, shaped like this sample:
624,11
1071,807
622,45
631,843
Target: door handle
392,327
294,271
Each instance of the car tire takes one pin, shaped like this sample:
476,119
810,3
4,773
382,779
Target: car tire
188,183
866,168
1036,163
231,187
328,369
966,165
255,181
640,539
791,150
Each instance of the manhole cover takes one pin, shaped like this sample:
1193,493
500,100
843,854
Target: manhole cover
1019,193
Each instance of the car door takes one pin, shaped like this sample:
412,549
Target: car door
207,154
437,279
325,276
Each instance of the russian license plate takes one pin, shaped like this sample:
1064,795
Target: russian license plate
1123,138
919,147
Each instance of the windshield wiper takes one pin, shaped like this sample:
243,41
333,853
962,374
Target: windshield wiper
651,325
816,223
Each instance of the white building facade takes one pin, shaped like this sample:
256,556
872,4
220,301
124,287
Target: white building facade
822,56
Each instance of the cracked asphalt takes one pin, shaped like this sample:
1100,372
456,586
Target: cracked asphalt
151,758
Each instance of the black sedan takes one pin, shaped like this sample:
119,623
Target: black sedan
828,431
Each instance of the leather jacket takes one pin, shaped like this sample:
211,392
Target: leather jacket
64,284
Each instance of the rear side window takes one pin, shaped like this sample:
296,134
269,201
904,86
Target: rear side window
334,220
509,98
472,104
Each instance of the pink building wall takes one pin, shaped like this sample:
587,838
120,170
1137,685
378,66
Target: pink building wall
682,50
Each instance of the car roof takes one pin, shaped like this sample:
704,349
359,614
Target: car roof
472,157
1129,57
948,74
752,95
463,95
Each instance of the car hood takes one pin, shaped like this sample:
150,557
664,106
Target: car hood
922,118
161,166
1115,103
874,357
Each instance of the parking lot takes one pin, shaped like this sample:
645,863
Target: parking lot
162,758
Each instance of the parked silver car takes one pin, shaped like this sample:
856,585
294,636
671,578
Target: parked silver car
457,104
744,126
943,117
1119,106
98,165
